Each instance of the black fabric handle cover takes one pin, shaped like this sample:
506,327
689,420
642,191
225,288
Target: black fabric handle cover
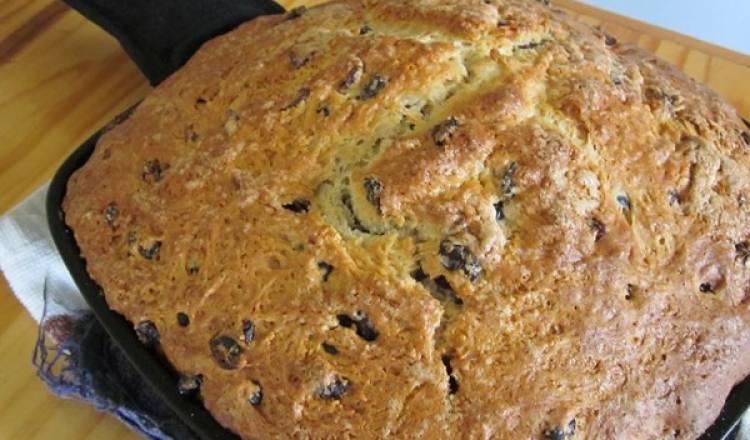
160,35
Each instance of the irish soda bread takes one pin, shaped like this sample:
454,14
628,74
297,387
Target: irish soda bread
430,219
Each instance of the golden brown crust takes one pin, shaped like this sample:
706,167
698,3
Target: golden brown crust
437,218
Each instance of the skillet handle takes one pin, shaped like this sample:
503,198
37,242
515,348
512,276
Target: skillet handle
160,35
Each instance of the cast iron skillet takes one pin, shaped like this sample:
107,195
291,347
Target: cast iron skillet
157,60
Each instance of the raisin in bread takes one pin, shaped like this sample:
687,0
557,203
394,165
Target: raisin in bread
430,219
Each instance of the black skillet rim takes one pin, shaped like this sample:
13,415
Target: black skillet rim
158,375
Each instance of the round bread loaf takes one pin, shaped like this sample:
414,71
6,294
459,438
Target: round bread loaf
430,219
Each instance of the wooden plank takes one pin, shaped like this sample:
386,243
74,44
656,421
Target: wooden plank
61,78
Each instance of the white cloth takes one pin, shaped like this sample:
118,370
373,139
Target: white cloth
28,258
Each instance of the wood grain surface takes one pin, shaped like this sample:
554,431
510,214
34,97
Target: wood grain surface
61,78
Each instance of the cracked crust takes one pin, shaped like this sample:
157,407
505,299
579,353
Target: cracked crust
440,218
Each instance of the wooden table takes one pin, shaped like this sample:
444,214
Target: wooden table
61,78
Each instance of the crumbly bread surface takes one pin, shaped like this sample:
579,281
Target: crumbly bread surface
430,219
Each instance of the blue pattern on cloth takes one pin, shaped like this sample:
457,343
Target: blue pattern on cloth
77,359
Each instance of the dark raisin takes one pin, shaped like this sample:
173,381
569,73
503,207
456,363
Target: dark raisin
746,137
183,319
442,132
301,97
151,252
529,45
200,102
444,291
345,320
418,274
256,397
452,385
324,110
297,61
559,433
366,331
352,77
571,427
363,326
630,292
440,288
335,389
609,40
545,2
298,206
499,213
452,381
225,351
624,202
458,257
248,330
371,90
147,333
326,268
674,197
508,181
364,30
297,12
454,255
503,23
355,223
442,282
743,252
373,189
111,213
706,288
600,230
193,268
330,349
153,171
189,383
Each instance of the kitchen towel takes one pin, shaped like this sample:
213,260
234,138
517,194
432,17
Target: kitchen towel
74,355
